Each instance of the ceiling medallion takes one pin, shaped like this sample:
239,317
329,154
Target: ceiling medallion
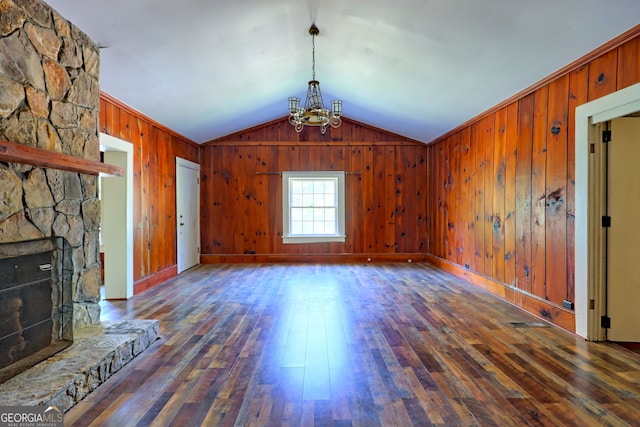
314,113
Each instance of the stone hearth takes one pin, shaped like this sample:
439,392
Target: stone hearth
98,351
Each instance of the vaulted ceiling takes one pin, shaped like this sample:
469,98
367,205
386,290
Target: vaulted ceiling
207,68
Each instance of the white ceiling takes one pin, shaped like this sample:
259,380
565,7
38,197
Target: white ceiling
207,68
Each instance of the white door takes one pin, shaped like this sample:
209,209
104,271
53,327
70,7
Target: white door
188,211
623,237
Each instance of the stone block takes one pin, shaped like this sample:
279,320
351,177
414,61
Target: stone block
36,191
42,218
70,53
48,138
45,40
11,17
91,214
17,228
85,91
38,11
10,193
38,102
57,79
12,96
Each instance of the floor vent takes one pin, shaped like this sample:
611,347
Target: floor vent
529,325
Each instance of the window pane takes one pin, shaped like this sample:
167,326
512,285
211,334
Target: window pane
296,214
329,200
307,200
330,214
307,186
307,214
296,200
329,227
307,227
318,200
318,214
330,187
296,227
318,227
295,186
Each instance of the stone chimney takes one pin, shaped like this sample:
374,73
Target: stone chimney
49,98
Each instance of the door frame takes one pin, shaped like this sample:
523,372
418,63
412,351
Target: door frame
117,219
180,162
590,239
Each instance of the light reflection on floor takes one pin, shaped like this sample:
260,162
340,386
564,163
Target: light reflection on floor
314,349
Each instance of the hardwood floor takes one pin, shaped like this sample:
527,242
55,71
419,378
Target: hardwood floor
343,345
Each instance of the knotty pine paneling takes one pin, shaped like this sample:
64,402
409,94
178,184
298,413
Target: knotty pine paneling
538,192
516,202
242,190
465,228
556,190
488,130
578,87
155,149
510,147
499,194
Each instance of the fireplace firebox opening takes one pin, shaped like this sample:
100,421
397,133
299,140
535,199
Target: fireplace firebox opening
36,308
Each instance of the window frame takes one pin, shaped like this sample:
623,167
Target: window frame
340,235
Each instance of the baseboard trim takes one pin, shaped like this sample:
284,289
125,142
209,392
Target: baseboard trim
310,258
154,279
539,307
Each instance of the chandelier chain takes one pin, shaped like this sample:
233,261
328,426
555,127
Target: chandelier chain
313,56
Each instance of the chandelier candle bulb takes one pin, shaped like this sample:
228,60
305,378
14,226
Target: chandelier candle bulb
294,104
314,112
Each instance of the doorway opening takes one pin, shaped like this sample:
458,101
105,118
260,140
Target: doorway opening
590,235
116,239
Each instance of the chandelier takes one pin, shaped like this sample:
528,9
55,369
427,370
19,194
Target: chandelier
314,113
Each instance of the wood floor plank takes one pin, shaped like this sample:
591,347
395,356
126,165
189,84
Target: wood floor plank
354,345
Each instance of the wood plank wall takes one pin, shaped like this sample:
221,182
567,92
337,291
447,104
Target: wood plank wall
155,149
241,195
502,200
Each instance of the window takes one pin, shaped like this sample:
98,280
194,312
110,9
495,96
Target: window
313,207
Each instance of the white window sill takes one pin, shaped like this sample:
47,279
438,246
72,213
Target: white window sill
313,239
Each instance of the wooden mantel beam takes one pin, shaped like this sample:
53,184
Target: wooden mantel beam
18,153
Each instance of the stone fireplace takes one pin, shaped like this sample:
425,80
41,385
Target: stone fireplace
49,99
50,215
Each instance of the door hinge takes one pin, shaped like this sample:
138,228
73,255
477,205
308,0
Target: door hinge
198,181
606,221
606,136
605,322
